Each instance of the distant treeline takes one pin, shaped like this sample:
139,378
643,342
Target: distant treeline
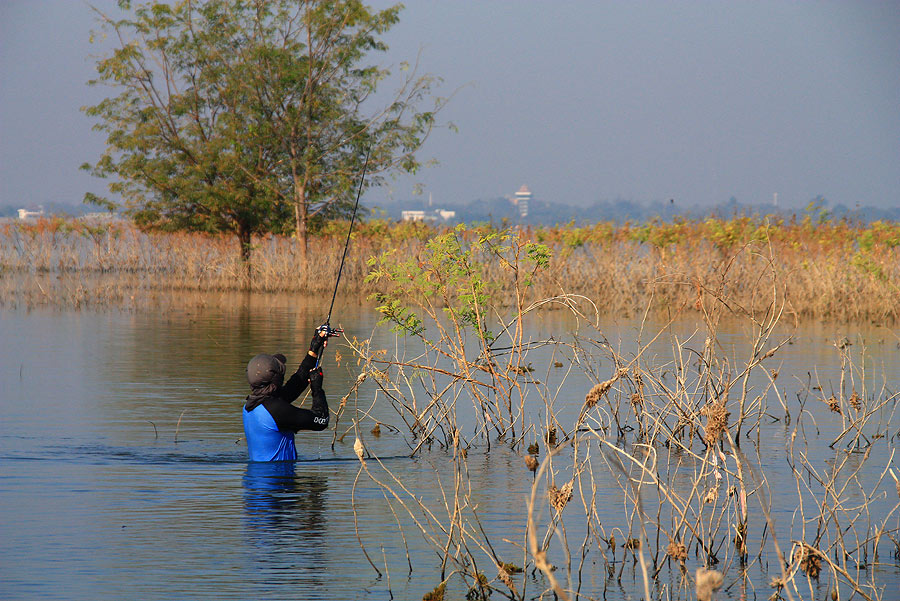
501,211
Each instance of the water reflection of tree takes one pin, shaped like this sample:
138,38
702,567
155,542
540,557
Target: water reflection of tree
285,523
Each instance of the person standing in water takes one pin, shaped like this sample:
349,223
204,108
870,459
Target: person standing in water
270,420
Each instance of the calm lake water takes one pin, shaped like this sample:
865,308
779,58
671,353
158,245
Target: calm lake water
123,473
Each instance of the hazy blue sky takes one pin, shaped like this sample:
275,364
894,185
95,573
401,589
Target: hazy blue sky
581,101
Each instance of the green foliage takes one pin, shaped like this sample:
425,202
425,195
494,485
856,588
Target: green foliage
727,235
437,594
250,116
456,277
866,264
661,235
479,591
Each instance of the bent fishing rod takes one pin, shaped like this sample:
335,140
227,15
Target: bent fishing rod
326,327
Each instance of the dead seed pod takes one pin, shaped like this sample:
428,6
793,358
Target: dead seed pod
560,497
708,581
551,437
533,448
359,449
810,562
531,463
632,544
854,400
834,405
716,421
676,550
597,392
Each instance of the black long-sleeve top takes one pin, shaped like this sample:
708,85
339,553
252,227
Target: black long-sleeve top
291,418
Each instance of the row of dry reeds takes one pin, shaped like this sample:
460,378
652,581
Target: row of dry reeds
833,270
683,440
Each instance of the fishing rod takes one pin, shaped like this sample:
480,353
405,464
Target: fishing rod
326,327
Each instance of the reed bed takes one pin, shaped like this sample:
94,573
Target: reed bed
684,436
831,270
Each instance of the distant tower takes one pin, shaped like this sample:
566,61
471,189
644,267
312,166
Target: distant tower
521,200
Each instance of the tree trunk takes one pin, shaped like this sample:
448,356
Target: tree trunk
301,223
244,238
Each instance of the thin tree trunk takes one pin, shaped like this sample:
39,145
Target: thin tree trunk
244,238
301,223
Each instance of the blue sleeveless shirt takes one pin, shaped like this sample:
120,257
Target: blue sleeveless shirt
265,441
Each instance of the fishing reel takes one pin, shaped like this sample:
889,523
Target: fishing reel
329,330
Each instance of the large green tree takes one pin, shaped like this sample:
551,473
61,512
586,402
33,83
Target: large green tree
252,116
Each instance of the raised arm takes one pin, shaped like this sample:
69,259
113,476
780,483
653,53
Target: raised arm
289,417
300,380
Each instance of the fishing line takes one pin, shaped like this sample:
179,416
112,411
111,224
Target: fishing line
327,325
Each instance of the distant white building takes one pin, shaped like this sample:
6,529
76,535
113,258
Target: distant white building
413,215
26,214
436,215
521,200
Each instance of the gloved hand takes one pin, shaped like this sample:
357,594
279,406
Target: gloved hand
315,379
319,340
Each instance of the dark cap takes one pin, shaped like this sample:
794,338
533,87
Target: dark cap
266,369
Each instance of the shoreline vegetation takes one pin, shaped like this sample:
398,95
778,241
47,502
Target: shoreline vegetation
832,270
